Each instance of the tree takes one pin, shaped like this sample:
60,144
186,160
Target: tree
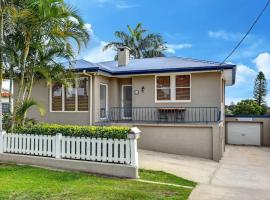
260,90
229,109
248,107
141,45
41,34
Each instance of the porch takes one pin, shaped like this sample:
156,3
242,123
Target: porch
166,115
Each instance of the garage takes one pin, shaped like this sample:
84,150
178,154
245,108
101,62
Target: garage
244,133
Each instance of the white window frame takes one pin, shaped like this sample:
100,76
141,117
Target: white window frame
172,88
107,101
63,98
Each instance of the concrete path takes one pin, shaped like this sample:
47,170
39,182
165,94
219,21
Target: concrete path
243,173
196,169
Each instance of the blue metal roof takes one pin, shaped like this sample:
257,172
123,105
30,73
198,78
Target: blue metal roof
150,65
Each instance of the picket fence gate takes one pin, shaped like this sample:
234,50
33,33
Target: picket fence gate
121,151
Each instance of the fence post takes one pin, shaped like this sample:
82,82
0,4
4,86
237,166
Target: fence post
133,136
2,141
58,138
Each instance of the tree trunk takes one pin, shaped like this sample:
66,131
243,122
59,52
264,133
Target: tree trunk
22,83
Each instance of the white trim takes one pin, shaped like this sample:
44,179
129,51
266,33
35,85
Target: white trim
69,111
107,103
91,99
63,98
122,100
50,98
76,94
172,88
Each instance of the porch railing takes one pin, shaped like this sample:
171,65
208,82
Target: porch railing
164,114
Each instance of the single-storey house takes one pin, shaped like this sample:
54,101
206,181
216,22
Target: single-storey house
178,103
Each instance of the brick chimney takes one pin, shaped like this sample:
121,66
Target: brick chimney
123,56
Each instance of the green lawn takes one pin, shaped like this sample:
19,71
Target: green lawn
28,183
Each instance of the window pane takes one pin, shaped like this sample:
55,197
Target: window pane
103,100
70,98
163,94
183,81
57,97
163,81
182,93
83,93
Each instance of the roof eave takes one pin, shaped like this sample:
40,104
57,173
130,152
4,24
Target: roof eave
151,71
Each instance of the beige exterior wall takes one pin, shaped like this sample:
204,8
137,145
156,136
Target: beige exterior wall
114,92
41,94
205,91
204,141
265,127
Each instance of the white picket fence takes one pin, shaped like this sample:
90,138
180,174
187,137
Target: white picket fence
122,151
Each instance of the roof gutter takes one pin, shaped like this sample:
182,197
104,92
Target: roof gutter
151,71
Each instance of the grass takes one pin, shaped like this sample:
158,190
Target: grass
31,183
160,176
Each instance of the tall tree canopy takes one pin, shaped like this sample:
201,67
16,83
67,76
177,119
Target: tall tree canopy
260,89
141,44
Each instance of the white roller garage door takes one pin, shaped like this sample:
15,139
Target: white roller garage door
244,133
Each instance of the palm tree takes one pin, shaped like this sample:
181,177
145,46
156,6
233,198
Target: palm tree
42,34
141,45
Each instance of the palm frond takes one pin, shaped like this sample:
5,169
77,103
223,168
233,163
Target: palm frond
25,106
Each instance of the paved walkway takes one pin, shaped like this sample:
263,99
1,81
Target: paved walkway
243,173
196,169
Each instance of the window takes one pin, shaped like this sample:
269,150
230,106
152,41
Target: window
182,89
72,98
57,97
173,88
83,93
163,88
103,100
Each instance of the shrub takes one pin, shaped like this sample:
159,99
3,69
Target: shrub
79,131
248,107
7,120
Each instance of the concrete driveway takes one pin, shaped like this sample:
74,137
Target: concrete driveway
243,172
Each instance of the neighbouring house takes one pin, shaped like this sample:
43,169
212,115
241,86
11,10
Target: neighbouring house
178,103
6,94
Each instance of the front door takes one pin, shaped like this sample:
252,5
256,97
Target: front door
126,101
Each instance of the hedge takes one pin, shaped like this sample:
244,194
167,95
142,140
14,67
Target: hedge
79,131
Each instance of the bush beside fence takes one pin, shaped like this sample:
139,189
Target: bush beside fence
112,132
112,150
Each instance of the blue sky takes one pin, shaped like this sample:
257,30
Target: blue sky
202,29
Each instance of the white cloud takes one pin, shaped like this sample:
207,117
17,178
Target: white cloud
88,27
171,48
244,85
262,62
97,54
221,34
244,74
95,51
